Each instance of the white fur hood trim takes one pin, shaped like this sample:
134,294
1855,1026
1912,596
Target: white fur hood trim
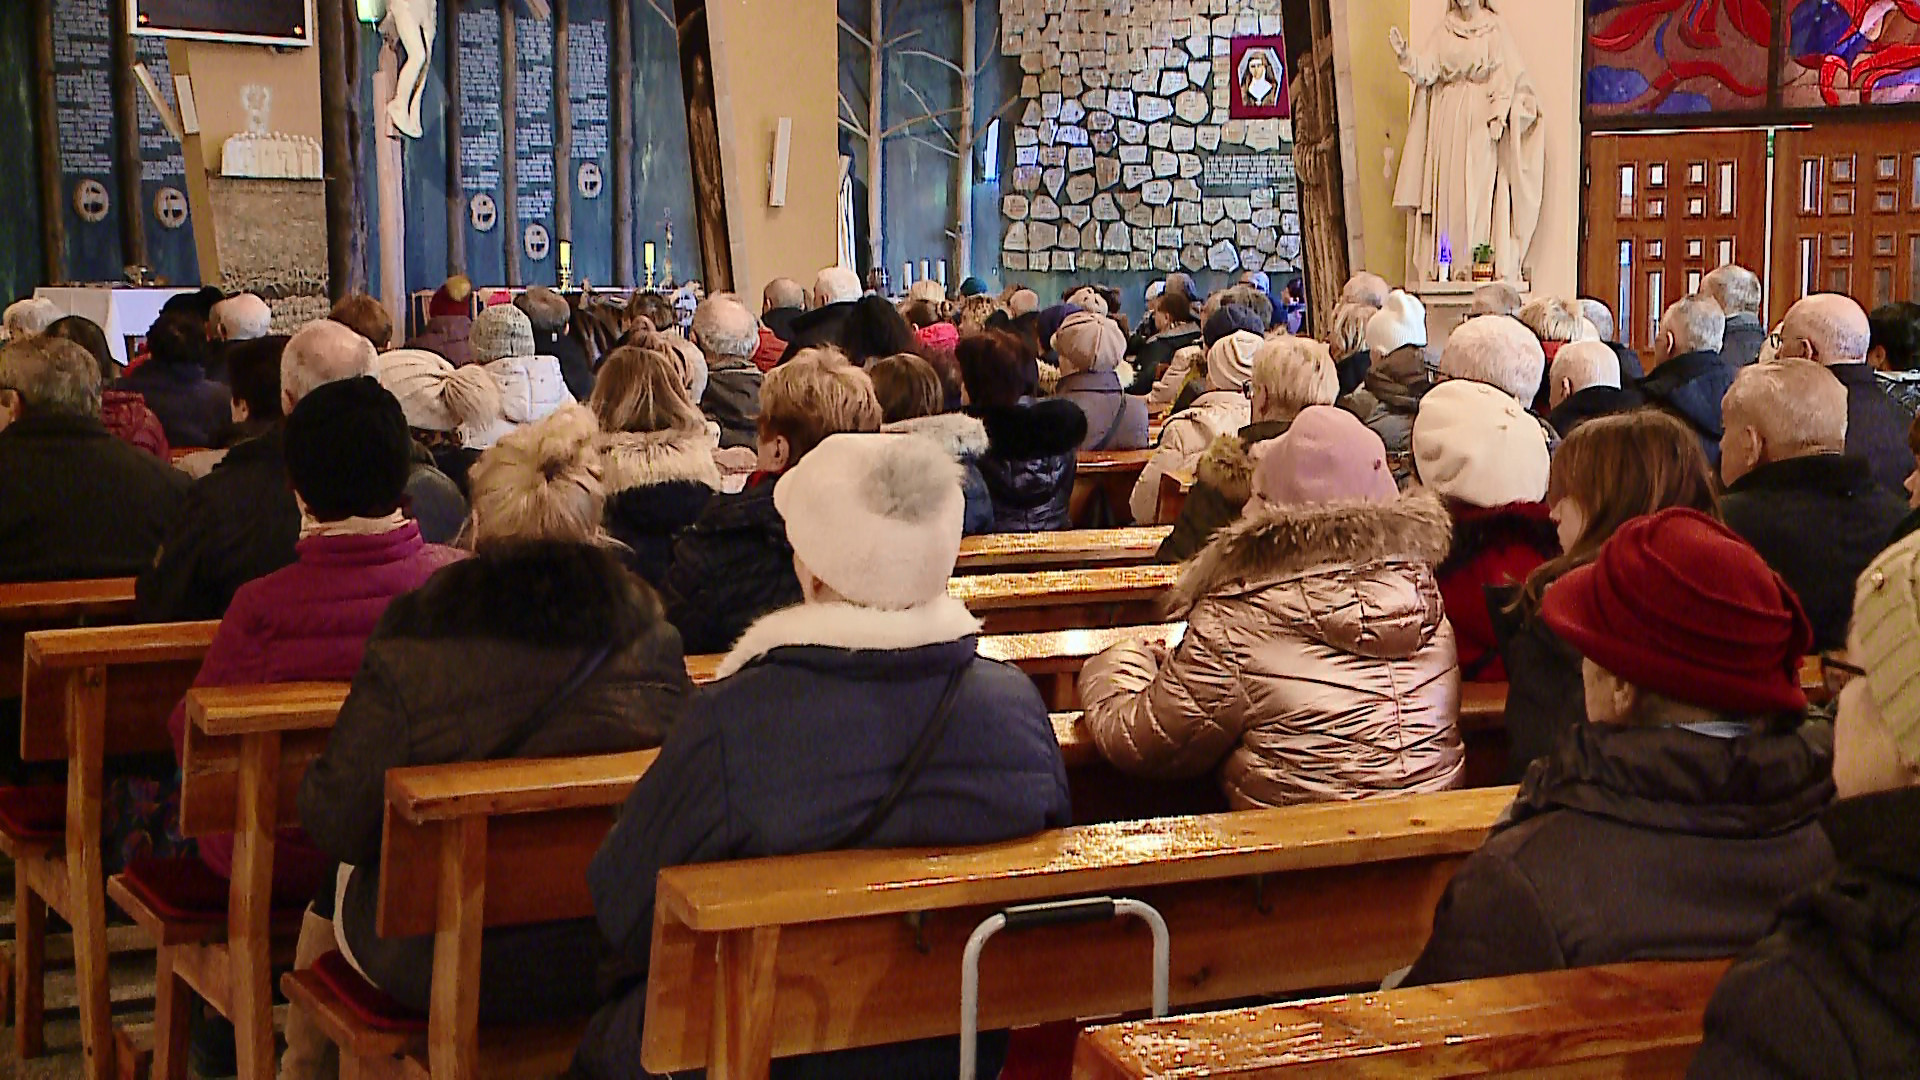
849,626
957,433
631,460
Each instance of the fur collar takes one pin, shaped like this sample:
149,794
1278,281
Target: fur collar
1227,466
1276,543
957,433
543,593
851,627
642,459
1036,429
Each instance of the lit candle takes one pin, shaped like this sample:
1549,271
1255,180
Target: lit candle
649,251
566,255
906,276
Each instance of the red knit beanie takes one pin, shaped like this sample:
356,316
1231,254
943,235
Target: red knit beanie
1676,603
452,298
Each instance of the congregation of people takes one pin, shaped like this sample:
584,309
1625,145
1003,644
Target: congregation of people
511,533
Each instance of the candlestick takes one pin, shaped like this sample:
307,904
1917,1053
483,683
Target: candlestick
906,276
926,269
943,275
649,258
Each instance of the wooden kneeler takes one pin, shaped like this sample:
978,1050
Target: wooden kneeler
88,696
246,751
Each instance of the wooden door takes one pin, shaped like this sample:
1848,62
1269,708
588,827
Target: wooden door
1847,212
1662,211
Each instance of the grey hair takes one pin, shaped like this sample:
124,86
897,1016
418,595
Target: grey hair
723,326
1366,288
1585,364
1735,288
1600,315
785,293
1696,323
1498,298
1295,372
1552,319
1499,352
1835,327
835,285
545,309
29,317
322,352
242,317
1350,327
51,375
1245,296
1797,406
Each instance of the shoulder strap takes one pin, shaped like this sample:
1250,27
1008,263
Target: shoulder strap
524,731
916,763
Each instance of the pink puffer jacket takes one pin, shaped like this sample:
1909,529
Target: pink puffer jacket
1317,664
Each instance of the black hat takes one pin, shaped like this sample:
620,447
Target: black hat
347,449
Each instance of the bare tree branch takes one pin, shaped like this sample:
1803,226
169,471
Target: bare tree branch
993,52
933,118
659,8
934,146
941,60
850,125
931,114
892,41
853,112
1012,100
848,27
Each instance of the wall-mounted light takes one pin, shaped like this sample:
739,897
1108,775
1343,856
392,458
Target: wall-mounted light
372,11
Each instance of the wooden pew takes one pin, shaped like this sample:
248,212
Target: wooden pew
1639,1020
88,696
1081,549
246,751
1102,485
54,605
774,957
1066,599
467,847
1174,489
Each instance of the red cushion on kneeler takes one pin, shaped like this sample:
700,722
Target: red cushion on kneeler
368,1003
34,813
186,890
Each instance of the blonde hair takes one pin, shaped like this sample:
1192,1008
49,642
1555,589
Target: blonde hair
539,482
642,390
1552,319
1295,372
972,314
1350,328
814,395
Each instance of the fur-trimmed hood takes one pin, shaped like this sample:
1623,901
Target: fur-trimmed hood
642,459
541,593
1227,466
1275,544
853,628
1038,429
958,434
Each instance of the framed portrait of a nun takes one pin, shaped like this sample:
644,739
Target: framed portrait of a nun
1259,78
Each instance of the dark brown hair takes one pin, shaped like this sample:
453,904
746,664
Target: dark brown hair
1617,468
365,316
996,369
907,386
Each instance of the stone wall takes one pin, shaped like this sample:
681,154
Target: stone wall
1125,158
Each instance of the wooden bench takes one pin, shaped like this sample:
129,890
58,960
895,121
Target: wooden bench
1639,1020
1102,485
88,696
1081,549
1174,489
1067,599
54,605
467,847
774,957
246,751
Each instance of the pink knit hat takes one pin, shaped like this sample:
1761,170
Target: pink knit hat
1328,455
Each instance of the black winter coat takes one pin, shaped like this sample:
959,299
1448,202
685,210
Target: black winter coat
1834,992
649,519
193,409
452,673
1352,371
1742,343
574,366
1690,387
780,320
730,567
1032,453
1876,427
1591,403
1638,844
790,753
821,326
1155,354
1818,521
77,503
1545,693
1631,369
732,400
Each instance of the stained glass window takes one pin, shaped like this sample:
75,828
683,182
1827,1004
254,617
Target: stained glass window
1678,56
1851,52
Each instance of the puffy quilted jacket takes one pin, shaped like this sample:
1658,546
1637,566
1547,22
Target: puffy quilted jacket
1186,437
1317,664
1032,451
531,389
125,413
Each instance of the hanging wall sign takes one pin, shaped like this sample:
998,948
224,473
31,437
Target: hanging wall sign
533,143
477,34
83,102
590,95
257,22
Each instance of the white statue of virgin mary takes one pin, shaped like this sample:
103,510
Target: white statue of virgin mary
1472,170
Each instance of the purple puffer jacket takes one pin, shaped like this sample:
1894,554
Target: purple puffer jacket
308,622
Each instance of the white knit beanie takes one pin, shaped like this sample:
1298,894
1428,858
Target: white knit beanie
1886,641
876,517
1401,323
1230,361
1473,443
434,394
501,331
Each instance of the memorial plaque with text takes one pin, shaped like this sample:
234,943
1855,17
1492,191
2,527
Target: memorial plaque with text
589,91
533,151
83,99
478,33
163,176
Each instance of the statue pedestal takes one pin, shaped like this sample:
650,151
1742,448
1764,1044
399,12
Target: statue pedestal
1448,305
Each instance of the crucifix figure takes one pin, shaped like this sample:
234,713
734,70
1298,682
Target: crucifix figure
415,24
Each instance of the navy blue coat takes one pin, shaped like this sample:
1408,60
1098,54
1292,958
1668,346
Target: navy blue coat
788,756
193,409
1690,386
1876,427
731,566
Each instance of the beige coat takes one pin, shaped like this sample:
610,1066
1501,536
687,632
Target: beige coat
1317,662
1186,436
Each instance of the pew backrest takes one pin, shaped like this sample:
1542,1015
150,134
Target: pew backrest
54,605
122,680
1011,552
263,736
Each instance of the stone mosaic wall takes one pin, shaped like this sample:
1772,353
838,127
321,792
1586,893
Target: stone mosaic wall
1124,157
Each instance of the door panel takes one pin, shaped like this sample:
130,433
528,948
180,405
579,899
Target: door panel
1847,205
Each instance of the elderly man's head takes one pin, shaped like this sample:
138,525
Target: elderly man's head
1779,410
323,351
1827,328
1366,288
782,292
1735,288
1600,315
1023,302
1579,366
29,318
47,375
836,285
1498,298
240,317
1693,324
1498,352
725,329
